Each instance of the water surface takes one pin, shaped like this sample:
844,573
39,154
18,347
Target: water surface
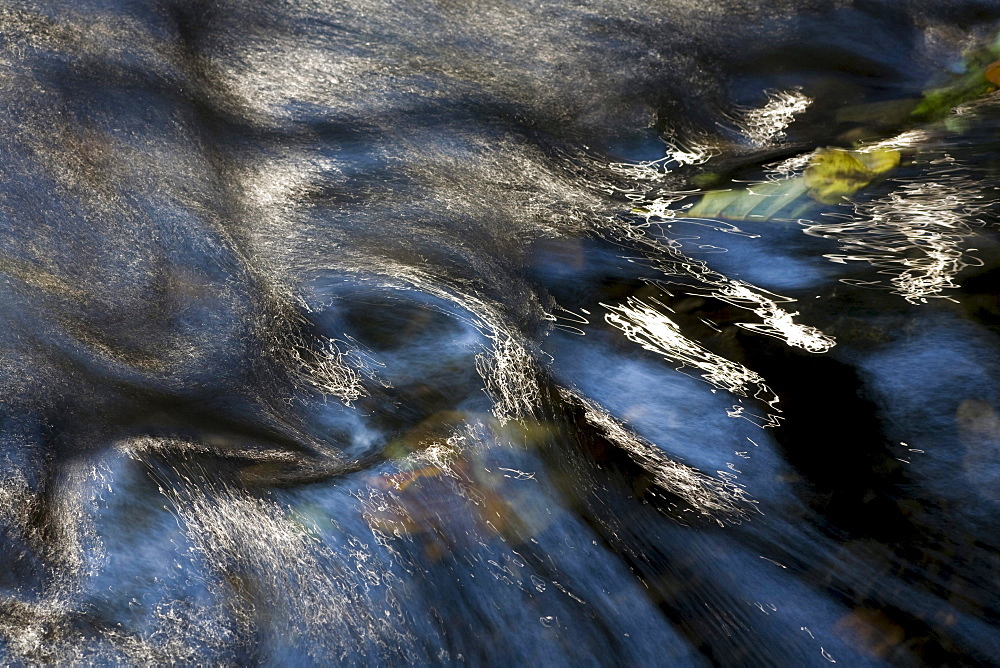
379,333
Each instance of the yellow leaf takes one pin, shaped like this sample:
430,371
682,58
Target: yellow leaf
836,173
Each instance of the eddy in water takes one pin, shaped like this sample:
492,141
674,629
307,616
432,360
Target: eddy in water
575,333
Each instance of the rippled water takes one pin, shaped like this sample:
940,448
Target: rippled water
375,333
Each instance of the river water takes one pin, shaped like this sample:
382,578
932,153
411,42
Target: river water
607,332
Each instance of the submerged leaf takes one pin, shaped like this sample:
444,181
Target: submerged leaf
764,201
832,175
993,73
835,174
982,75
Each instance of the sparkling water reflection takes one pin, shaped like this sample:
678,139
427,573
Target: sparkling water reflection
625,333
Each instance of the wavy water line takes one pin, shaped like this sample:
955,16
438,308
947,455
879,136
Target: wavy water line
914,234
650,328
323,593
766,125
721,499
678,153
508,368
667,257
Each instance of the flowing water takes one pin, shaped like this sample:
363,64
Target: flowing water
372,332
